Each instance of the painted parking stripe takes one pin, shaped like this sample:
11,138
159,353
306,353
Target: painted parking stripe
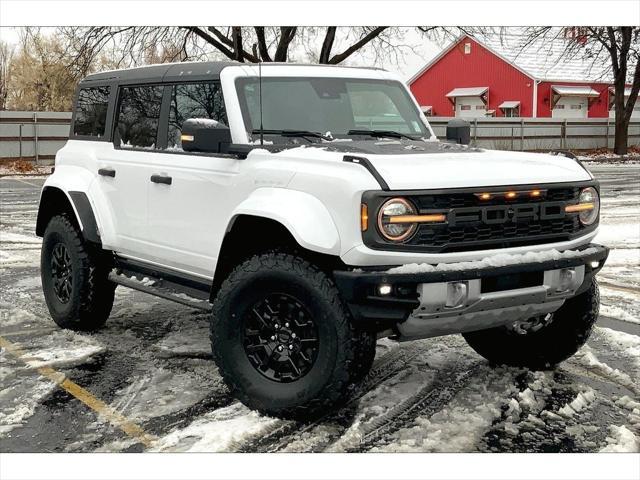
127,426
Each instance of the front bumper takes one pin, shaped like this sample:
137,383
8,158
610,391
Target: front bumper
416,306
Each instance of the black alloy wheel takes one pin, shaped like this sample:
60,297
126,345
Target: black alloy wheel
62,272
280,338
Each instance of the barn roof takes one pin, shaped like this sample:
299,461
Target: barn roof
540,60
543,59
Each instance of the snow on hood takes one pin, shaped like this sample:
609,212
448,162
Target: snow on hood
476,168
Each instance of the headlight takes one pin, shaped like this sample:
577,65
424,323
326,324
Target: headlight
589,196
391,228
588,206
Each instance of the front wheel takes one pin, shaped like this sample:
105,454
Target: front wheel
282,338
544,342
74,280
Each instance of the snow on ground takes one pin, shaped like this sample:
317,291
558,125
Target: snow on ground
621,440
217,431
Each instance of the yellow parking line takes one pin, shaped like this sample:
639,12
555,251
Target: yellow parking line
98,406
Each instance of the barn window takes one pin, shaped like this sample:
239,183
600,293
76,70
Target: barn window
559,106
467,48
576,106
510,108
480,107
465,107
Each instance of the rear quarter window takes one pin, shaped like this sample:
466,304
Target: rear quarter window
91,112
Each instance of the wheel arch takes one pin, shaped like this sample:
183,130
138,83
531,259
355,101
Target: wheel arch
248,235
55,201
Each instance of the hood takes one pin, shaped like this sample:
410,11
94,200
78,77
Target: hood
475,168
407,165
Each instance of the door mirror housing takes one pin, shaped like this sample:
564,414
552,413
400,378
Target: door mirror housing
205,135
459,131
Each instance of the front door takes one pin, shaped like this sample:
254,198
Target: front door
187,213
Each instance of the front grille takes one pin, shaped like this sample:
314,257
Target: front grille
470,226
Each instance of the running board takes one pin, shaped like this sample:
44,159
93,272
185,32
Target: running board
167,294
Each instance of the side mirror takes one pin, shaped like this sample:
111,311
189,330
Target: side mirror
205,135
459,131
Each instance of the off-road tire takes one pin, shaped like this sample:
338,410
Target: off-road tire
365,354
542,349
327,382
91,296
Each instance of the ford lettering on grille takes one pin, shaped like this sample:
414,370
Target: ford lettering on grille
498,214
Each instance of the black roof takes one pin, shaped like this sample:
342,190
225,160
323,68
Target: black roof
171,72
166,72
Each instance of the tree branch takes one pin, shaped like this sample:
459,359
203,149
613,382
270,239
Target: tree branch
327,45
341,57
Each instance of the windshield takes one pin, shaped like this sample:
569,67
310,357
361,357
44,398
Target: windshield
335,106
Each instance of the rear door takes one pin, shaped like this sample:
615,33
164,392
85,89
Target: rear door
186,216
124,169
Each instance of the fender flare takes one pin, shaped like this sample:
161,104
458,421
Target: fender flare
302,214
76,184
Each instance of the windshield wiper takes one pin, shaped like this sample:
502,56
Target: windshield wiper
292,133
380,134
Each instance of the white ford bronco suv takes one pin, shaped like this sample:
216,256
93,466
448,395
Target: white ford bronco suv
312,210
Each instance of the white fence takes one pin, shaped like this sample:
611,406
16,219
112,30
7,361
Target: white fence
541,133
37,136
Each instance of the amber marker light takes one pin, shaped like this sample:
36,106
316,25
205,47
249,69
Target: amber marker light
511,194
364,217
186,138
485,196
417,218
580,207
536,193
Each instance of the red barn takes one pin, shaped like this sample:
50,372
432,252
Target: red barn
473,78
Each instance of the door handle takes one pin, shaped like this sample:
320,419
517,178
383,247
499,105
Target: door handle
107,172
155,178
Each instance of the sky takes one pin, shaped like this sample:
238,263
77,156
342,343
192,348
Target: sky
414,56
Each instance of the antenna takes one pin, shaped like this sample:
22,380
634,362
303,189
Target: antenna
260,95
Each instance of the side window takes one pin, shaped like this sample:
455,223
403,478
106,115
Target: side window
138,115
193,100
91,111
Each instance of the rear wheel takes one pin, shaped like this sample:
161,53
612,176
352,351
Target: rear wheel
541,343
282,338
74,279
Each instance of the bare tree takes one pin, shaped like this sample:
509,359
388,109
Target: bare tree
6,57
616,47
243,44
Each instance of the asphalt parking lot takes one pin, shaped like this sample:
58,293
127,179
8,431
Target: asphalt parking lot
146,381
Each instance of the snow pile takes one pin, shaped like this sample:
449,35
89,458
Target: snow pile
20,395
582,401
621,439
588,359
218,431
460,425
498,260
62,348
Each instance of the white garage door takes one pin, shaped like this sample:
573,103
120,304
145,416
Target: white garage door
571,107
470,107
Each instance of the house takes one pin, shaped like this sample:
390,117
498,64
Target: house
496,77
